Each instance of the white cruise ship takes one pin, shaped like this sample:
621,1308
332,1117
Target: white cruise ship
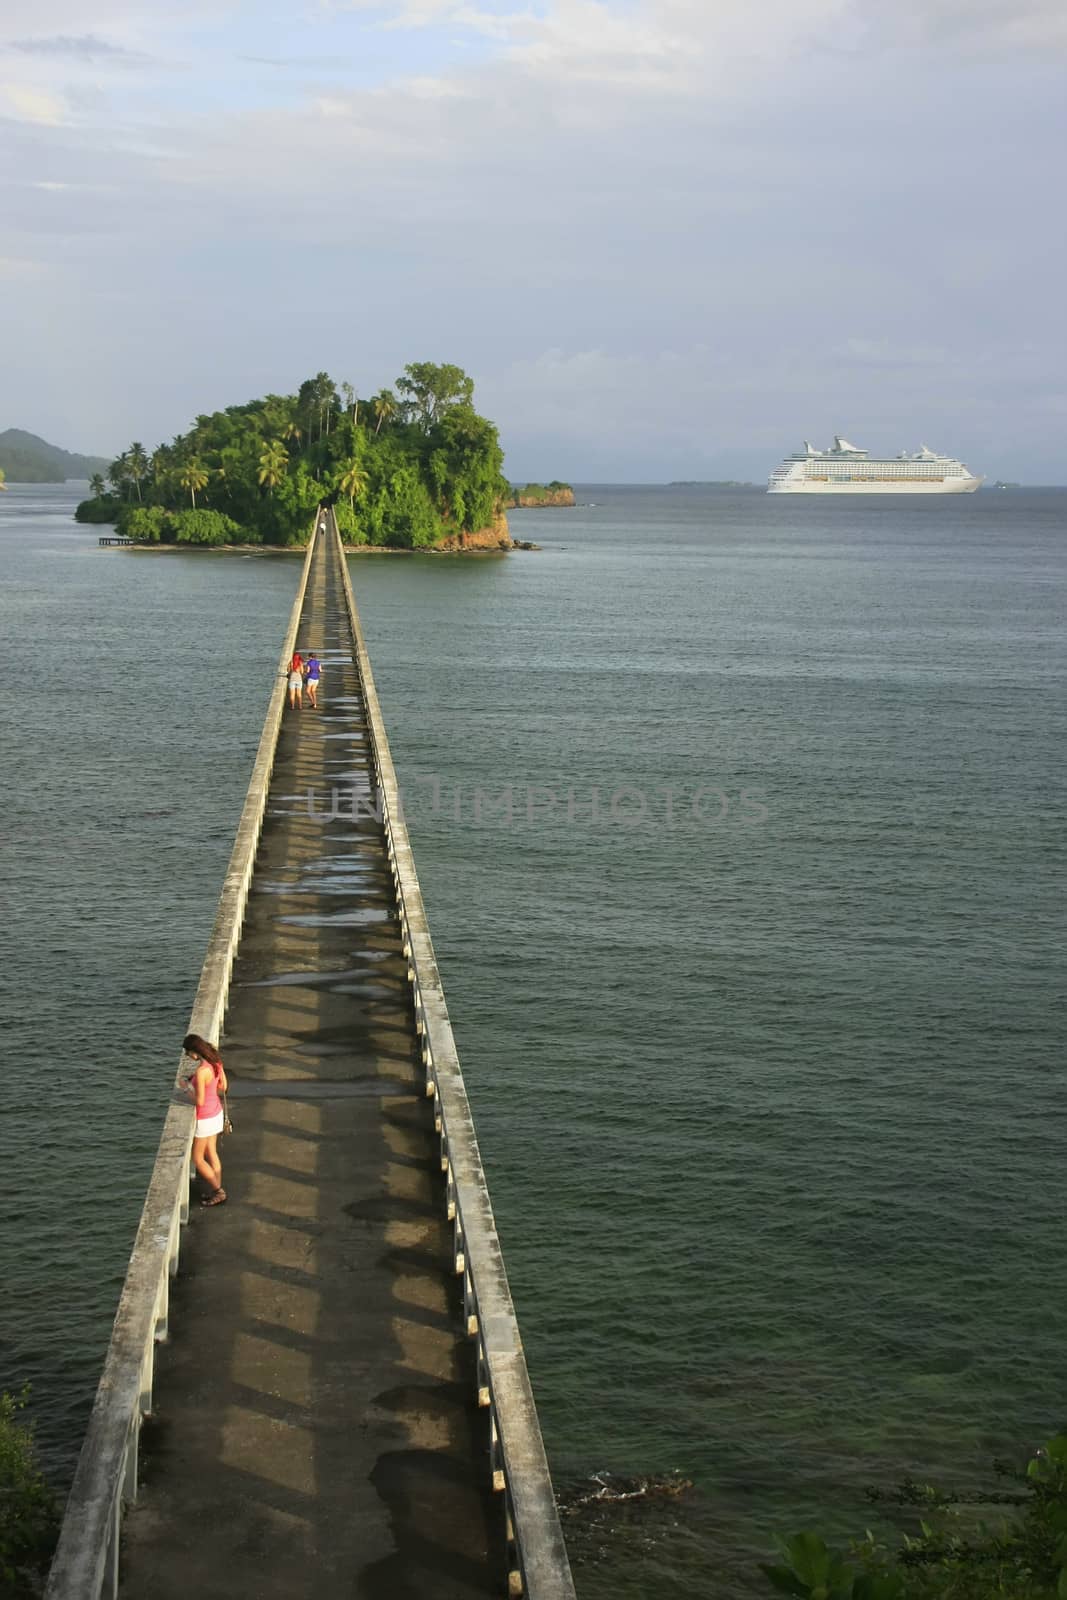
846,469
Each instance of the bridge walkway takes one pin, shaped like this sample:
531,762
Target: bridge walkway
314,1427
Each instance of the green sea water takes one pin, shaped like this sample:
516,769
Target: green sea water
740,824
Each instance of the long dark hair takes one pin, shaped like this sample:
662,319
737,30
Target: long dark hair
193,1045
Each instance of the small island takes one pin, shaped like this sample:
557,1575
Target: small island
414,469
540,494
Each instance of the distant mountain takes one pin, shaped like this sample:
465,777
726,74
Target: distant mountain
27,459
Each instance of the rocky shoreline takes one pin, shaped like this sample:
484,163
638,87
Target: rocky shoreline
550,497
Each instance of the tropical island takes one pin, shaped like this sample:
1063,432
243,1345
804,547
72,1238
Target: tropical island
415,468
540,494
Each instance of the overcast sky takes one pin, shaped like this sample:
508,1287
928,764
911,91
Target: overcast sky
668,238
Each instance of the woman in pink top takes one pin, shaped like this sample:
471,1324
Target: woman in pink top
206,1084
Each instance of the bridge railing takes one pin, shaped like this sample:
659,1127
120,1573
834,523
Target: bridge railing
537,1557
86,1562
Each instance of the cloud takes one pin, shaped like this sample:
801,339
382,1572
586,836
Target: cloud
978,26
24,104
85,47
885,353
653,229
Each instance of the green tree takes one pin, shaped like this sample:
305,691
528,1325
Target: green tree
193,476
137,465
353,481
317,400
96,484
118,474
272,465
3,475
28,1514
431,390
384,406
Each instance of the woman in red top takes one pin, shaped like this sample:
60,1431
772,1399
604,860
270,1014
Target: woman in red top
206,1084
296,681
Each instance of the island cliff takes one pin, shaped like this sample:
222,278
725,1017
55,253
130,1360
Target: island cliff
540,494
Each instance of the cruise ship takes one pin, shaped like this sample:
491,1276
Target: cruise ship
846,469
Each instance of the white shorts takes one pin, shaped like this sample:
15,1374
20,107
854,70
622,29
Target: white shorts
206,1126
296,680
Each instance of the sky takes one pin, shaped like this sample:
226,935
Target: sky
667,238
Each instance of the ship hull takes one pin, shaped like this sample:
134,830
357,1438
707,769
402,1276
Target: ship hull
802,486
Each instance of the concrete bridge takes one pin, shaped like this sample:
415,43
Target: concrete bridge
330,1398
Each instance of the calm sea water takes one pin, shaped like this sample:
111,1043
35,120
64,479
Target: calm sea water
758,988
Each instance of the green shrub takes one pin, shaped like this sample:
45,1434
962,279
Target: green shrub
408,519
205,527
102,508
147,523
28,1514
349,523
956,1555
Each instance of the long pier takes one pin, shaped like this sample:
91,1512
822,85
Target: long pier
326,1396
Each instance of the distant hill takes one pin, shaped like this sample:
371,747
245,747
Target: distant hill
27,459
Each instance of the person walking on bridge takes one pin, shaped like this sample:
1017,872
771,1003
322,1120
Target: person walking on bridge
206,1084
296,682
313,672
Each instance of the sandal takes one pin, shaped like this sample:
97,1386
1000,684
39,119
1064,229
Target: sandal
216,1199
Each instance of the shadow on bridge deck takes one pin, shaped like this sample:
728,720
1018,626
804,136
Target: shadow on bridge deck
315,1430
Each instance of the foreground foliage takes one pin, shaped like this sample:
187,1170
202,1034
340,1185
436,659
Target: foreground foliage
1020,1555
406,469
28,1518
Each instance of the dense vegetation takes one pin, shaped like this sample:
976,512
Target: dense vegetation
958,1554
25,458
406,469
540,494
28,1517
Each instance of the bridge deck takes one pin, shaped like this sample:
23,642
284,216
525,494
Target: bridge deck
315,1429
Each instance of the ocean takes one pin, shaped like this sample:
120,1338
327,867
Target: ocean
740,824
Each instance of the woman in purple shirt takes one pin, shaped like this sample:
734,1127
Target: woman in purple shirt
314,673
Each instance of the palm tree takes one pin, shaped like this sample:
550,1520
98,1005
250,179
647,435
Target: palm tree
97,484
353,481
3,475
272,465
384,406
291,431
119,474
193,476
137,464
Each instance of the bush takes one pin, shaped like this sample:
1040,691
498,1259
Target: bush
408,519
349,523
205,527
147,523
28,1515
102,508
955,1556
